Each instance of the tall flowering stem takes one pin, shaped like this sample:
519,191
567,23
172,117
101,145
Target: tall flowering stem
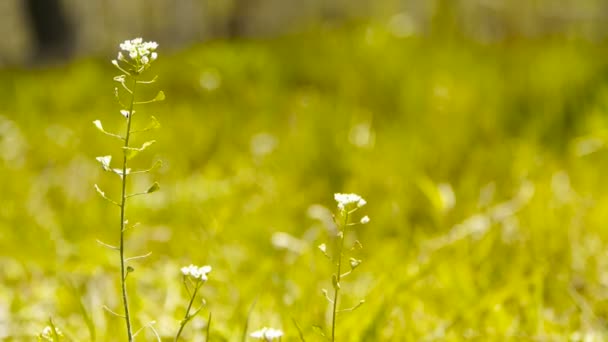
194,277
123,206
338,276
139,57
347,205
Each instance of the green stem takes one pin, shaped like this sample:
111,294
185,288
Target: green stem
123,203
338,277
187,316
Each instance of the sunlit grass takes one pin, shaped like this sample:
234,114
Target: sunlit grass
483,167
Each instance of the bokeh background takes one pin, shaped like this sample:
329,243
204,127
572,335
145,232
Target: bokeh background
476,131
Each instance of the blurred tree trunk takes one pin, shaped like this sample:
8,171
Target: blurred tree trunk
239,17
444,21
53,34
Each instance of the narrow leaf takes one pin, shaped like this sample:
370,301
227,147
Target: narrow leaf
155,187
160,96
154,124
133,151
156,165
334,282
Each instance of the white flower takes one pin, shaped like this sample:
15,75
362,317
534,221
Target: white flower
196,272
267,334
349,200
365,219
142,53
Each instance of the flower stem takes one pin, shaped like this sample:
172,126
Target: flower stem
337,275
187,316
123,204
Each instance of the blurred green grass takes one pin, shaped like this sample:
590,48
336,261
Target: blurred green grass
482,165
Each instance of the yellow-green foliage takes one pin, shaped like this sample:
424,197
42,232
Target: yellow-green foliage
483,166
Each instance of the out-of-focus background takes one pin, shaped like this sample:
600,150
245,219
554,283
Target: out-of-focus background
93,27
475,130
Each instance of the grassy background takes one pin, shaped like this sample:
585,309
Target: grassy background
482,167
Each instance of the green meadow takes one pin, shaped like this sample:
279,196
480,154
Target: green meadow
482,164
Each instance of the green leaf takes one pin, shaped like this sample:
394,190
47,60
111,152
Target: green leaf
160,96
133,151
154,188
156,165
334,282
153,124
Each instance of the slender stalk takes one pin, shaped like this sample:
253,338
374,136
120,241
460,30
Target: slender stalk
187,316
338,276
208,330
123,204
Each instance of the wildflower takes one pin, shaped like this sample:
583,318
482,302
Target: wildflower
196,272
267,334
349,200
365,219
140,52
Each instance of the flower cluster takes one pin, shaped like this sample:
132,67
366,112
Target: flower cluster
139,51
349,201
267,334
196,272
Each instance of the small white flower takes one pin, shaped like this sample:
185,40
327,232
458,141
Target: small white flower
365,219
361,202
141,53
196,272
349,200
267,334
